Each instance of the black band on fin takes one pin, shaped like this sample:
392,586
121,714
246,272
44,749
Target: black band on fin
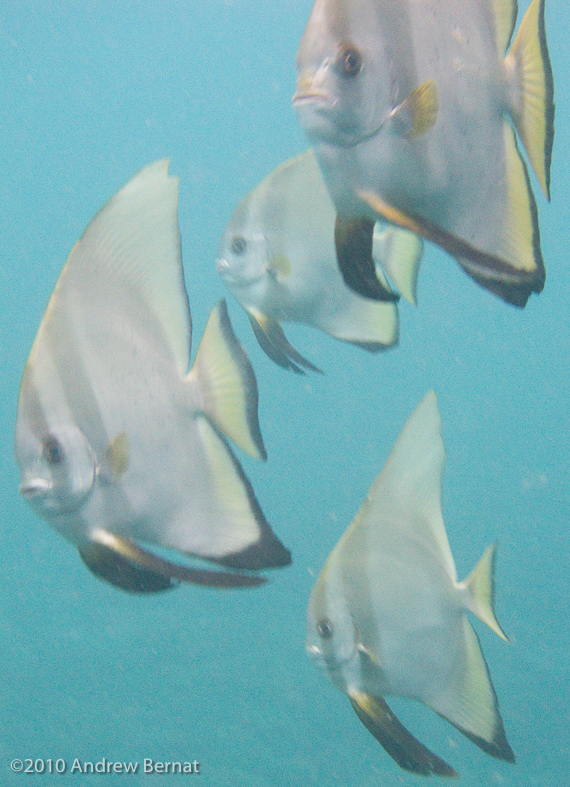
353,241
107,564
495,274
274,344
400,744
127,566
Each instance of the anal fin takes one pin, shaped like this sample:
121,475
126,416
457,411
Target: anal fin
400,744
489,270
353,240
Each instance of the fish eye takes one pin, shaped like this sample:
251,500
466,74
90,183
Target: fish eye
325,628
239,245
52,450
349,61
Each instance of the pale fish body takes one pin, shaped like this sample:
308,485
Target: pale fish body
119,446
277,257
388,616
412,106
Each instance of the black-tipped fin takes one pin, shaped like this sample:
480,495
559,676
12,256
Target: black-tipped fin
400,744
275,345
353,240
494,273
129,567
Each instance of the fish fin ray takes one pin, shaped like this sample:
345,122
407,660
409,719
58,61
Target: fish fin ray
518,243
227,383
528,58
401,252
404,502
241,538
128,566
505,12
470,703
117,455
399,743
418,111
272,340
280,266
481,586
489,270
353,241
371,325
130,252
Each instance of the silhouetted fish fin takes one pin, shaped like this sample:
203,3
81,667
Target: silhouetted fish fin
227,383
528,64
353,241
400,744
469,701
275,345
418,111
130,567
492,272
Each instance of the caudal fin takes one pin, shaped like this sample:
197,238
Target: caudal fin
227,383
529,65
481,585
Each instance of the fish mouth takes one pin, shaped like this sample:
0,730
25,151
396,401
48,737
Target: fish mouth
227,272
32,488
311,96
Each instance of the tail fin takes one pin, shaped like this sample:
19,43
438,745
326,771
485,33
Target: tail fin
227,383
529,65
481,586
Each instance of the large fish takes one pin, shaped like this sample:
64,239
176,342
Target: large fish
277,258
119,446
387,615
412,106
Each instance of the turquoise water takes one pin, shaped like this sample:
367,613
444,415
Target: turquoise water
93,91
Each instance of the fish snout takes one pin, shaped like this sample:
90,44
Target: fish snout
223,266
309,89
34,487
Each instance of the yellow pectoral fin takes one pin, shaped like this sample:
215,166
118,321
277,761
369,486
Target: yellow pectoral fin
281,267
117,455
418,112
400,744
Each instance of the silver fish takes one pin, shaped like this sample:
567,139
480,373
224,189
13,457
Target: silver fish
119,446
277,258
388,616
411,106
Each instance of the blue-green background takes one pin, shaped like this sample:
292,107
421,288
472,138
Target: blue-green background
91,91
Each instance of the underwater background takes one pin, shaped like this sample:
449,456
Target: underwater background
91,91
